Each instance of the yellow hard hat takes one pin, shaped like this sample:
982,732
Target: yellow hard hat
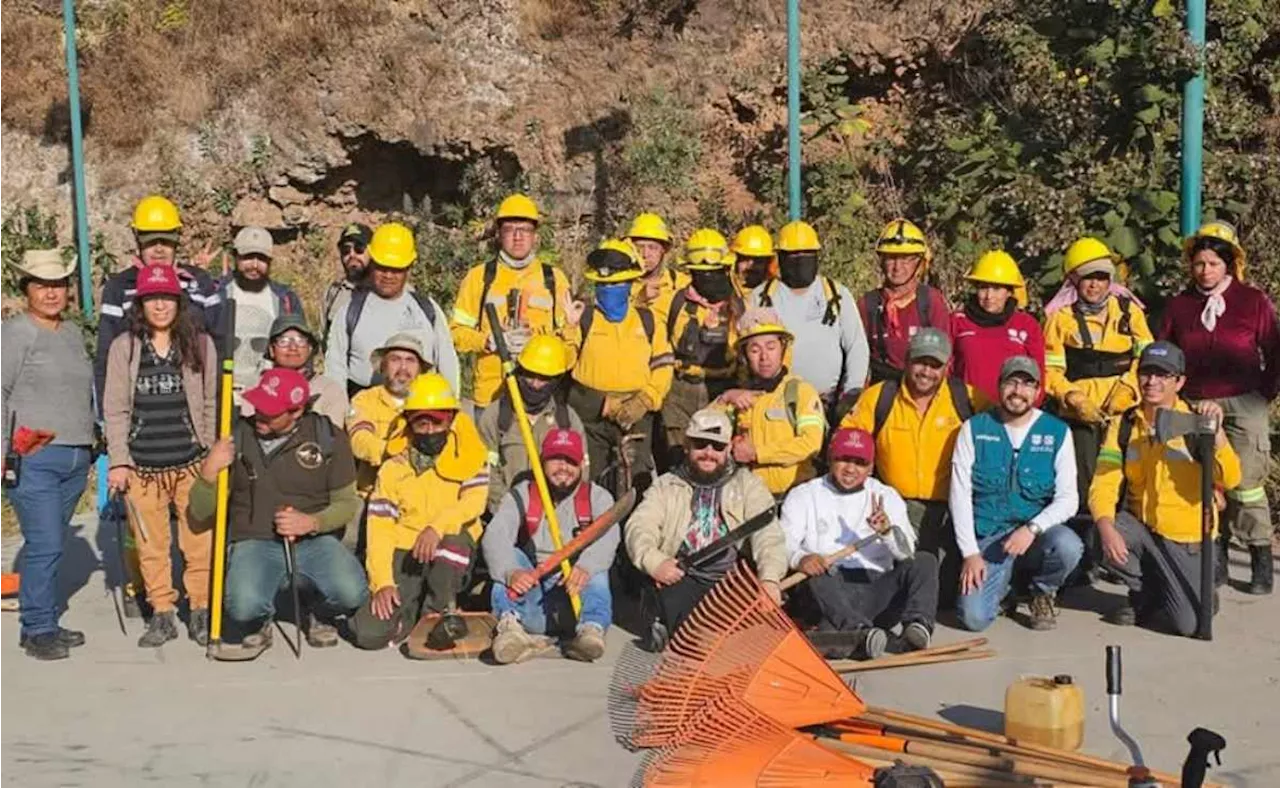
798,237
996,268
901,237
156,214
753,241
1226,233
758,322
1083,251
706,250
518,206
613,261
546,355
650,226
430,391
392,246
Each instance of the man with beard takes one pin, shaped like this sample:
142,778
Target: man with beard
353,256
882,584
424,521
706,497
259,301
292,345
1013,486
541,369
518,538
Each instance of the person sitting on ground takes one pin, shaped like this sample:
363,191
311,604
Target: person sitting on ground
882,584
1152,538
686,509
291,477
780,422
541,370
292,345
353,256
424,521
518,538
1013,485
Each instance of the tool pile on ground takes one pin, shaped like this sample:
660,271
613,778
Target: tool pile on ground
740,697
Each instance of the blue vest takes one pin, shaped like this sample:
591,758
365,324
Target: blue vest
1011,487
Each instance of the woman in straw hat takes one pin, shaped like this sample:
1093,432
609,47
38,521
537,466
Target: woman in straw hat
48,384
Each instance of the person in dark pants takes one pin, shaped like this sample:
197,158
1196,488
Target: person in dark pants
882,584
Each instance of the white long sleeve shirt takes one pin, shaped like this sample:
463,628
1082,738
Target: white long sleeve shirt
1066,498
819,519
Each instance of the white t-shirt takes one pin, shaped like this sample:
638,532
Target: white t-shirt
255,312
818,519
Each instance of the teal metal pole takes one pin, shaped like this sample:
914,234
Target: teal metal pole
77,160
1193,123
793,109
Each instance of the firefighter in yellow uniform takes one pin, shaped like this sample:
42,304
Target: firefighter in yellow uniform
1094,332
531,296
779,418
754,263
659,283
424,521
623,371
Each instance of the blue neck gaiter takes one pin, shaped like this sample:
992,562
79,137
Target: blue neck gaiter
613,298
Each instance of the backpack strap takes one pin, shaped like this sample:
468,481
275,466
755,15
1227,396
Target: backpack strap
490,273
582,505
584,324
1125,433
428,308
833,302
646,320
960,398
677,303
766,300
874,302
924,304
884,403
549,282
562,413
354,307
532,513
791,402
506,414
1125,326
1086,336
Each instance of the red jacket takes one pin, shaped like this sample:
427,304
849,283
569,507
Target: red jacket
980,351
1229,361
889,343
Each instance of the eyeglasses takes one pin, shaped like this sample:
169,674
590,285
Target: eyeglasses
516,231
349,247
287,341
1159,374
705,443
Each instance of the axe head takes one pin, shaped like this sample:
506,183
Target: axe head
1172,424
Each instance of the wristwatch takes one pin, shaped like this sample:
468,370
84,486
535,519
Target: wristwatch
1035,528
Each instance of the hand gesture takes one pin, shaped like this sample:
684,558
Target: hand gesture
578,578
384,602
521,581
877,519
118,478
744,451
202,258
668,573
424,548
813,565
742,399
1019,541
572,308
221,455
973,573
291,523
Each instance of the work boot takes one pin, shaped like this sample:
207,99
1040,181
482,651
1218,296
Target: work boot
69,638
1124,614
1262,564
250,647
512,643
872,642
162,628
320,634
587,645
198,626
447,632
1044,614
1221,562
917,635
46,647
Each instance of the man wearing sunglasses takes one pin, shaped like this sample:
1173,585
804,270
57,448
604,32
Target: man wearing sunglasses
259,301
353,256
292,345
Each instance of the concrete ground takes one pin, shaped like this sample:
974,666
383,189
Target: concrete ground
117,715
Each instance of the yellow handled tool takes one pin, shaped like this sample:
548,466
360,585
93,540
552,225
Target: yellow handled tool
224,493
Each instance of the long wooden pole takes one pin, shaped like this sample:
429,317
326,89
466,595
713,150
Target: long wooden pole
910,660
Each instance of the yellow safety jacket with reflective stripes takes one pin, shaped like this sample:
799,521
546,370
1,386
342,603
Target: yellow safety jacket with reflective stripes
619,358
1112,340
670,281
377,432
786,435
521,297
1161,480
448,497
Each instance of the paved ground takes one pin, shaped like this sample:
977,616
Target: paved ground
115,715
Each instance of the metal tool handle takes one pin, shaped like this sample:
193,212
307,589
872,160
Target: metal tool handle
1114,670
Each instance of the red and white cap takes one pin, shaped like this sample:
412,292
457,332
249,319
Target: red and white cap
852,444
564,444
158,279
278,390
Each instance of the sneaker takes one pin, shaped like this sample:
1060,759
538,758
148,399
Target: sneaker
917,635
162,628
250,647
46,647
587,645
320,634
448,631
873,643
511,643
1044,614
67,637
198,626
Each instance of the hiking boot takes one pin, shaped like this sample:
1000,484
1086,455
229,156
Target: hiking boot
46,647
917,635
447,632
1262,564
1221,562
873,642
1044,614
69,638
250,647
198,626
512,643
320,634
1124,614
162,628
587,645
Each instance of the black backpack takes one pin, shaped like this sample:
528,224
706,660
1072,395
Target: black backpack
874,300
491,273
888,391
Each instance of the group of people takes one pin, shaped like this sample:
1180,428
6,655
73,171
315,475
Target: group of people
976,458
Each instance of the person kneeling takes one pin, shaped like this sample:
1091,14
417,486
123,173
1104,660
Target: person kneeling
519,537
883,583
291,478
424,521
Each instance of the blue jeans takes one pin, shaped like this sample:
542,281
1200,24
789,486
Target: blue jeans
1048,561
49,487
256,573
531,609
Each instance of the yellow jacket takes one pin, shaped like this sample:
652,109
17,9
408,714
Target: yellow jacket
913,449
1162,480
449,497
687,364
377,432
670,281
618,358
470,328
1113,394
785,444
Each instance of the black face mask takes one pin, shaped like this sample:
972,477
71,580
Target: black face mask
430,445
798,270
712,285
536,399
754,276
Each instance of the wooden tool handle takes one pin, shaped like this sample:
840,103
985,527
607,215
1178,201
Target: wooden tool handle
908,660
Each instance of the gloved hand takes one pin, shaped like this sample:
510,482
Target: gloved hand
631,410
1084,408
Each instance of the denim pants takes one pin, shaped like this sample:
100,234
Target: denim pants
49,487
256,573
1048,561
532,608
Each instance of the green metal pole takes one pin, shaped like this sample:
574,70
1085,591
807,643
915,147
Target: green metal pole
77,159
793,109
1193,123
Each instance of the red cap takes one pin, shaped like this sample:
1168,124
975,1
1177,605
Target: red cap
278,390
562,443
158,279
852,444
433,415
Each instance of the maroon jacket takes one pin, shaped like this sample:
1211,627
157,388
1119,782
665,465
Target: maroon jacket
1230,360
981,351
889,343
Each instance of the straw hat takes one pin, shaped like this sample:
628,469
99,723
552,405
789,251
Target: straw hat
45,264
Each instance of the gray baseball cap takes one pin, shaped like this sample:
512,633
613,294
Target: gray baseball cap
710,424
929,343
1164,355
1019,365
253,240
